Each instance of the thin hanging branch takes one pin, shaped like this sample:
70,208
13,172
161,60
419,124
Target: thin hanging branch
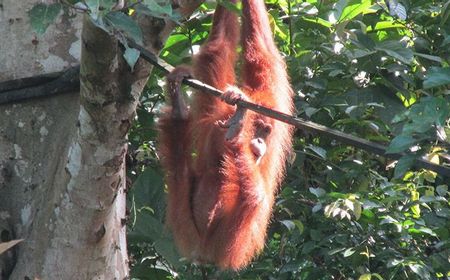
351,140
39,86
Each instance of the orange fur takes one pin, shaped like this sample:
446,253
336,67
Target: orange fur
220,196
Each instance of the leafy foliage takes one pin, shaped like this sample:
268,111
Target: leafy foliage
41,16
377,70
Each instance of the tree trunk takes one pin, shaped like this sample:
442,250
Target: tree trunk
62,171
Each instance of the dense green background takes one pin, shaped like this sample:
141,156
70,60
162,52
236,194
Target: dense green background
342,213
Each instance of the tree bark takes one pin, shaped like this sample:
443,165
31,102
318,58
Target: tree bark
62,171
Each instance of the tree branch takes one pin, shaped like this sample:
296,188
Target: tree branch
68,81
40,86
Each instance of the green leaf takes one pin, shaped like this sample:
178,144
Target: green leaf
292,224
353,10
157,9
396,50
357,209
388,220
175,39
319,21
148,191
123,23
363,40
98,8
147,228
368,214
131,56
429,57
338,7
309,111
397,9
366,276
422,230
444,212
393,262
437,76
423,115
420,270
446,40
442,190
291,266
415,208
334,251
42,15
318,192
299,225
94,6
288,224
318,150
403,165
308,247
317,208
382,25
378,276
349,252
431,198
400,143
445,13
327,211
166,248
308,9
